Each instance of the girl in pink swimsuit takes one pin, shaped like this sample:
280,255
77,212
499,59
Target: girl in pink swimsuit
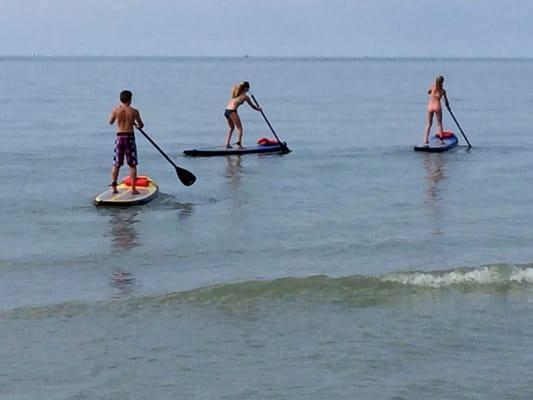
435,92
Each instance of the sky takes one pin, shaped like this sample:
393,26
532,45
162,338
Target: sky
299,28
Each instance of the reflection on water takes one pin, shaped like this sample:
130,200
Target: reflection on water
124,236
435,166
233,169
233,174
184,210
168,202
123,284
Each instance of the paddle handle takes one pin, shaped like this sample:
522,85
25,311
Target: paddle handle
459,126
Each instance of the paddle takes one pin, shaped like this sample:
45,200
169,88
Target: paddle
459,126
186,177
281,144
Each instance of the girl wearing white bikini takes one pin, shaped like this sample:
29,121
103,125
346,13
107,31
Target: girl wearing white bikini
238,97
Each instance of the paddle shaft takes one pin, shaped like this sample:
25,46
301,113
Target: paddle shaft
186,177
157,147
459,126
266,120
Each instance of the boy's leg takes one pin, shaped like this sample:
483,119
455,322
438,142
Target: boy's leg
118,160
133,177
131,158
114,176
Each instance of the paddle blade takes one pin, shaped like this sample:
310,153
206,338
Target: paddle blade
186,177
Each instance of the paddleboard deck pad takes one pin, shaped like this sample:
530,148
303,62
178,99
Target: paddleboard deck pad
436,145
147,189
235,150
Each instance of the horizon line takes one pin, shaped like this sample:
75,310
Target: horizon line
163,56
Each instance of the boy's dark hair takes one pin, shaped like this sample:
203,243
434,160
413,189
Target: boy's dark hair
125,96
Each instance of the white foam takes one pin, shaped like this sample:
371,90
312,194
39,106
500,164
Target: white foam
522,275
478,276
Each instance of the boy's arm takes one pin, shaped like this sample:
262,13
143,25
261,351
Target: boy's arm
139,122
112,117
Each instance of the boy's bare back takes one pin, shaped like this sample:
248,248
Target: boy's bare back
125,117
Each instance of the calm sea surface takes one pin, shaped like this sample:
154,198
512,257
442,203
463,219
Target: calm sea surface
351,268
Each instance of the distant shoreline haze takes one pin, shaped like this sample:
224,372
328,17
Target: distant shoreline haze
303,28
269,57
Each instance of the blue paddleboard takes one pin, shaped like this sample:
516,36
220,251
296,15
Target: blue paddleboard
437,145
235,150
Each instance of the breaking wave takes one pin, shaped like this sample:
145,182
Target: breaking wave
355,290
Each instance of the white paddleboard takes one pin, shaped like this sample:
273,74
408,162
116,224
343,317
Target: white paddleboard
147,192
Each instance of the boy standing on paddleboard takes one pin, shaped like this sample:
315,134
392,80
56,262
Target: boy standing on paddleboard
126,117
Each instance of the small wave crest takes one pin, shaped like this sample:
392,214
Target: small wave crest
355,290
489,275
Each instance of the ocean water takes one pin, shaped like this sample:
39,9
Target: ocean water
351,268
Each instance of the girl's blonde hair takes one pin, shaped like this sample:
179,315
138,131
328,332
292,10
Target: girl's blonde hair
239,89
439,80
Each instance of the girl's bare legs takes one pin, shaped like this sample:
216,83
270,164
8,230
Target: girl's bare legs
237,122
439,124
428,126
231,127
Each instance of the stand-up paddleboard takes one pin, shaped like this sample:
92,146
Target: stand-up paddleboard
235,150
147,189
437,145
